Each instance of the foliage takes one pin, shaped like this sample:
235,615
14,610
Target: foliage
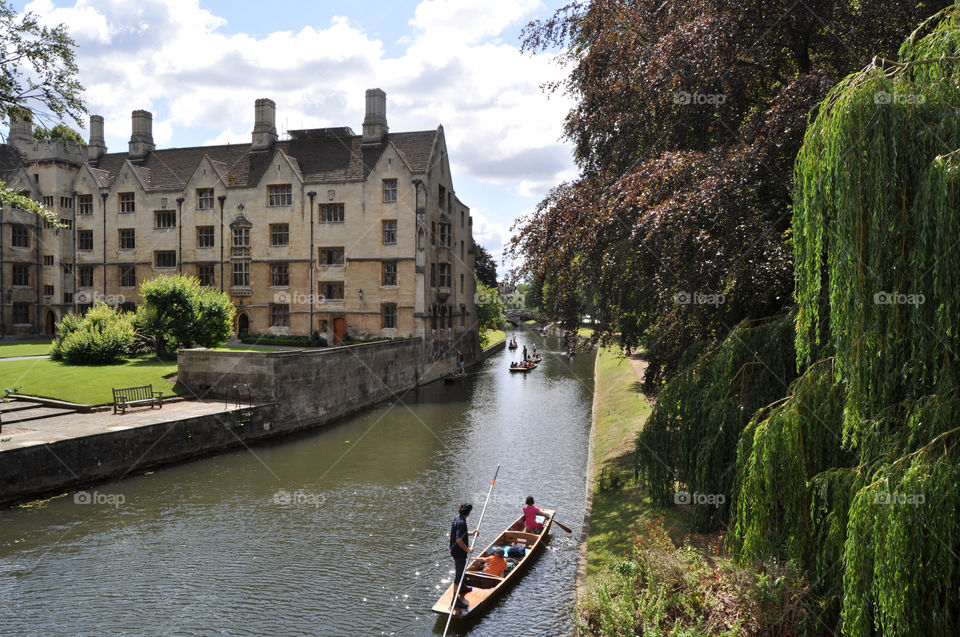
692,435
60,131
688,118
484,266
102,335
38,72
662,590
489,311
178,312
15,199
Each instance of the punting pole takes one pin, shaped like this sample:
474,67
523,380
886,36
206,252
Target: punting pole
470,543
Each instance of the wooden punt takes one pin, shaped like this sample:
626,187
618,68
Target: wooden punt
522,370
452,378
486,587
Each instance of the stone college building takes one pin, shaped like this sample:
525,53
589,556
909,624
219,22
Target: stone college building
327,231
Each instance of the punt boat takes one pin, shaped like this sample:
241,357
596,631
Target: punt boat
486,588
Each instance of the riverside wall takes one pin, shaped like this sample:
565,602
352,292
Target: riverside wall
116,451
312,387
285,392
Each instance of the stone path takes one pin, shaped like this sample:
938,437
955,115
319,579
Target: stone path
76,425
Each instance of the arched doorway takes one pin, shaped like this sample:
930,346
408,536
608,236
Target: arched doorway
243,323
51,323
339,329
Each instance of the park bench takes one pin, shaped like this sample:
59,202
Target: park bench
124,397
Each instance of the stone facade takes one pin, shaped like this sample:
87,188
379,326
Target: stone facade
327,231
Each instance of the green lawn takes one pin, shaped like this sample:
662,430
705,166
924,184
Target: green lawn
617,514
24,348
86,384
495,336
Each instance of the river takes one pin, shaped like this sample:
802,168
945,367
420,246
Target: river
340,531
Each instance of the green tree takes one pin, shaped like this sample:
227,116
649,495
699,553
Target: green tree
38,70
60,131
38,81
688,117
484,266
178,312
489,310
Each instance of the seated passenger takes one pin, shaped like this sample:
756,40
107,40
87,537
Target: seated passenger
496,564
530,513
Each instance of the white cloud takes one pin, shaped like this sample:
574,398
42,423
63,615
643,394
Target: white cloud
174,58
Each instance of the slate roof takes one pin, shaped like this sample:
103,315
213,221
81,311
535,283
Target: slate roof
318,155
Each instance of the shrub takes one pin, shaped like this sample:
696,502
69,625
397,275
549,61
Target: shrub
178,312
102,335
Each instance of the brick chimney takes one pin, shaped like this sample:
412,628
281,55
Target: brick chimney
375,120
265,124
141,139
96,147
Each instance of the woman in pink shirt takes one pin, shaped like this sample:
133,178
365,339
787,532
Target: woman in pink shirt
530,513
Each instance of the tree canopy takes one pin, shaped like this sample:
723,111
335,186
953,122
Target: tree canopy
688,118
38,71
484,266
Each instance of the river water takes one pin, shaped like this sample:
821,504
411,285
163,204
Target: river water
341,531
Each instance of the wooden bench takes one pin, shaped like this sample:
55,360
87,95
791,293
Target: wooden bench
124,397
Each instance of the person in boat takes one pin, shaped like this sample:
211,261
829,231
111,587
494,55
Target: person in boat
530,513
459,548
534,351
459,363
524,352
495,564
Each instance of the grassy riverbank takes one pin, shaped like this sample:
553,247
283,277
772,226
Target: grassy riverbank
494,337
646,571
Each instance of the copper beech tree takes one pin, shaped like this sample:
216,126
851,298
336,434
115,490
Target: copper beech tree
689,115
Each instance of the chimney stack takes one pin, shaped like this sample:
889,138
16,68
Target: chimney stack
21,133
375,120
96,147
265,124
141,139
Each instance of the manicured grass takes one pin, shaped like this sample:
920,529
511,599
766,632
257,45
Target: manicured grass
87,384
495,336
617,514
585,332
24,348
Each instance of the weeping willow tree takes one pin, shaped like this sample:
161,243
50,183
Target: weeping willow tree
872,497
689,443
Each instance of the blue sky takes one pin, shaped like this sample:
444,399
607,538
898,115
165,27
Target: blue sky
198,66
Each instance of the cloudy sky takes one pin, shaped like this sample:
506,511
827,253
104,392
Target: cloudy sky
198,66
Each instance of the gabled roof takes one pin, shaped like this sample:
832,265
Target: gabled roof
315,155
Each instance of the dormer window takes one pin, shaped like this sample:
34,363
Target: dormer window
204,198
